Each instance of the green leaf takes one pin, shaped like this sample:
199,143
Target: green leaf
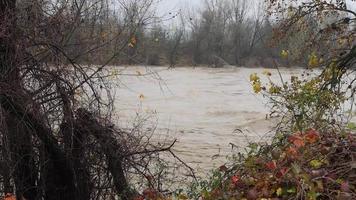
316,164
312,195
351,126
292,190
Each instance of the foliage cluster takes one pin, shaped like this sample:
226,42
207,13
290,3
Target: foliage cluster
310,165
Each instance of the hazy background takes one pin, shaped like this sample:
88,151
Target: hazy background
166,6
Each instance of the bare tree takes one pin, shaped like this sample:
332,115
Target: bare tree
175,41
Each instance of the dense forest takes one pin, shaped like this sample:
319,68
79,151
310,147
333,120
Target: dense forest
58,139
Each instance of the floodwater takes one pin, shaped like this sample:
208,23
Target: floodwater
201,107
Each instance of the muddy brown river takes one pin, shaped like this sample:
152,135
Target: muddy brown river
200,107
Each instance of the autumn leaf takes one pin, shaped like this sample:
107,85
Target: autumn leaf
132,42
279,192
254,77
313,60
311,136
284,53
316,164
10,196
282,172
235,179
257,87
296,140
274,89
292,151
271,165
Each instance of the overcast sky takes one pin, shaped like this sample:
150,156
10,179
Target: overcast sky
166,6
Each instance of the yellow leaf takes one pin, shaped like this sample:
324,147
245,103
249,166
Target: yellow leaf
274,89
279,192
284,53
254,77
257,87
316,164
313,60
133,42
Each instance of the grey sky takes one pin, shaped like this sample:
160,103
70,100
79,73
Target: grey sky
166,6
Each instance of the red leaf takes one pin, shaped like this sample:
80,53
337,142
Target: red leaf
311,136
292,151
10,196
271,165
282,172
296,140
235,179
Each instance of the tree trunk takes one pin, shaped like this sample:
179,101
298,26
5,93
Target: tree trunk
58,176
17,136
111,149
22,158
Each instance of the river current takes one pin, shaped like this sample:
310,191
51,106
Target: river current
200,107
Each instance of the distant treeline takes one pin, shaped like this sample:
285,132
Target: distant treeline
221,32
